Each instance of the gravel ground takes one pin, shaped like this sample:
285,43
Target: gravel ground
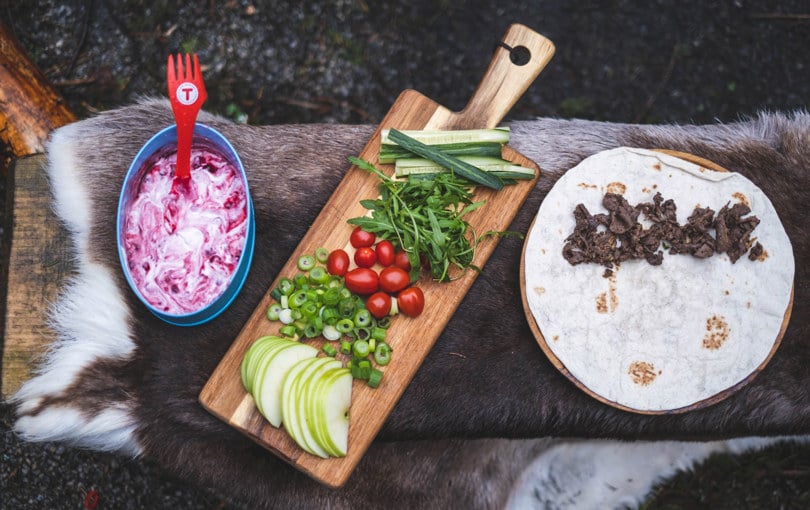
345,61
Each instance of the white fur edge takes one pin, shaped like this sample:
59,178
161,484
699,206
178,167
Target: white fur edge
110,430
71,202
91,321
607,474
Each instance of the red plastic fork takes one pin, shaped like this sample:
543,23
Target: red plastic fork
187,94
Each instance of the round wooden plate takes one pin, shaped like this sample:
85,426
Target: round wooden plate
559,365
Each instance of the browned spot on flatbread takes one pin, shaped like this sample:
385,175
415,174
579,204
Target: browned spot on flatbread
657,166
601,303
608,301
617,188
741,198
555,337
642,372
539,290
763,256
585,185
717,332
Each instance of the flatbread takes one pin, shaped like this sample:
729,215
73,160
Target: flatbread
656,338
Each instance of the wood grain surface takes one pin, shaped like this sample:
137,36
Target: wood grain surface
559,365
37,249
411,339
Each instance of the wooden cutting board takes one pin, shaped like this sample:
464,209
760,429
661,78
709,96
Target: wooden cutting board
411,338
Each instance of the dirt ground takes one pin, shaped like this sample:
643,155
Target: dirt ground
345,61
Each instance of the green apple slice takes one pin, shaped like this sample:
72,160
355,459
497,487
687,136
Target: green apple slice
289,397
307,385
317,428
266,356
333,400
267,385
297,394
253,356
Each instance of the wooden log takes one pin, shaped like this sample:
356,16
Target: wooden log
35,255
29,107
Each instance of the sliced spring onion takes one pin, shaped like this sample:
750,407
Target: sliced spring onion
330,332
461,168
360,349
273,311
319,275
374,377
382,354
321,255
344,325
286,286
285,316
306,262
346,347
329,350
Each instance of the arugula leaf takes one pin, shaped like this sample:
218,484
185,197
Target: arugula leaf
425,218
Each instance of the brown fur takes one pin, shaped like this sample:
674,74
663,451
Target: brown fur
486,376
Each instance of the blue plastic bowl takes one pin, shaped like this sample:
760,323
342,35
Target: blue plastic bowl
166,141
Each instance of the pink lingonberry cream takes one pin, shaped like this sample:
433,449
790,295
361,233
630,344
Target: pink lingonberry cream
183,244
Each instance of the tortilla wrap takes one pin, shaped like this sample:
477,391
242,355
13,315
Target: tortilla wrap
659,338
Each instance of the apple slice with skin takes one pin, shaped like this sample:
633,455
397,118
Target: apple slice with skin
267,385
333,398
316,427
289,398
307,384
253,356
265,357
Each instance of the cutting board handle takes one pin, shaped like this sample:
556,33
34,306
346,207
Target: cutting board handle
518,59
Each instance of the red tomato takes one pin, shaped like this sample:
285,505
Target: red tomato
338,262
401,260
379,304
411,301
362,280
365,256
394,279
361,238
385,253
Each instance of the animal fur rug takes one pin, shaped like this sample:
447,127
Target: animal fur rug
463,435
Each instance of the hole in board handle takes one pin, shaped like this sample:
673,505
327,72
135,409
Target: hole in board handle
519,55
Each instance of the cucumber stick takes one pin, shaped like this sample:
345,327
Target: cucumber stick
390,153
495,165
459,167
455,137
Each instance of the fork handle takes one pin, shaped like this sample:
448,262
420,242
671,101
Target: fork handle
185,134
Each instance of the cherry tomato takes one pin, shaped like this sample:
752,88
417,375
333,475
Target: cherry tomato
394,279
338,262
365,256
379,304
385,253
401,260
362,280
411,301
360,238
